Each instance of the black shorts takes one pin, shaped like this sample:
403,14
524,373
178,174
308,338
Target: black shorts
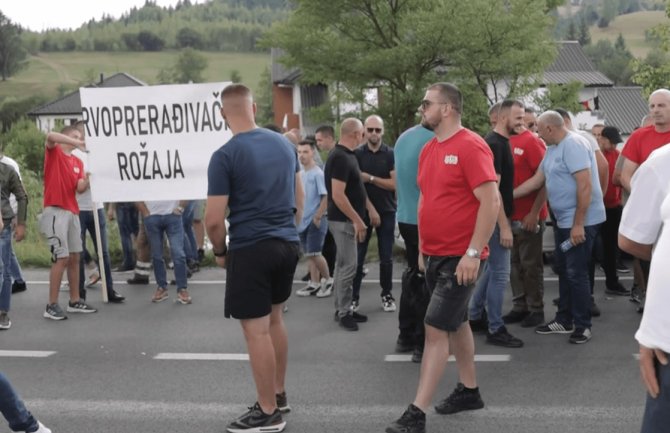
448,307
259,276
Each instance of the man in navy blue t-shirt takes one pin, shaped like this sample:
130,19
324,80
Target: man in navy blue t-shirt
257,176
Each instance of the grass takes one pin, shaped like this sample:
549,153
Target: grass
632,27
45,73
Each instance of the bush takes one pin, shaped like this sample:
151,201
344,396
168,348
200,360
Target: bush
25,143
150,41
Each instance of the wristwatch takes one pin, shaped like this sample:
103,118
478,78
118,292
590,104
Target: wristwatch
221,253
372,179
472,253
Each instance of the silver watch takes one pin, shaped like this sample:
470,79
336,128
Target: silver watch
472,252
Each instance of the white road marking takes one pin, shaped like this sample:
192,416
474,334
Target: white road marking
478,358
26,353
203,356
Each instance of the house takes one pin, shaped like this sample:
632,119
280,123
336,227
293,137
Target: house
292,100
622,107
66,110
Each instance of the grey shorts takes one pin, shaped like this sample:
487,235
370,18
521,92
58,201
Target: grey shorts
62,230
199,210
448,306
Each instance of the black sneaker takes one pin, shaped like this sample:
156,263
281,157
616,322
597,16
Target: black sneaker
617,290
620,267
554,327
480,325
533,319
460,399
282,403
503,338
138,279
514,317
358,317
580,336
18,287
413,420
404,345
555,301
417,355
595,310
348,323
255,420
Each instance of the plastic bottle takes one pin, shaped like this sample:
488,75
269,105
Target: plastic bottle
566,245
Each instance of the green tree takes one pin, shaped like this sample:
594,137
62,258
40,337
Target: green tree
188,68
653,72
235,76
400,46
564,96
263,99
188,37
584,36
12,52
612,60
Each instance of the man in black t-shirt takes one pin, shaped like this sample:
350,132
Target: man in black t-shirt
495,276
346,210
377,165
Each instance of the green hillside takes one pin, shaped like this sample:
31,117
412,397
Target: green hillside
47,73
632,27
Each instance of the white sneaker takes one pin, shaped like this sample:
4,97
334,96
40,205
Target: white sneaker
310,289
388,303
42,428
326,288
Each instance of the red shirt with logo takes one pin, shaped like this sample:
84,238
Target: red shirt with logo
642,142
613,195
61,174
528,151
449,171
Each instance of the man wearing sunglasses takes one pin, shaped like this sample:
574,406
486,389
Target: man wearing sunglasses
377,165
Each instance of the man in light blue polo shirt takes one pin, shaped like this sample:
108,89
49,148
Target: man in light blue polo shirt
411,313
570,171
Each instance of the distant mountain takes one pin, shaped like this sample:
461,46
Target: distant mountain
216,25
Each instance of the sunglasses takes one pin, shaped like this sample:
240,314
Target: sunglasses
377,130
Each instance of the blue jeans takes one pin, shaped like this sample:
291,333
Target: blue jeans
15,268
127,218
657,410
190,245
491,285
13,409
87,223
5,274
574,288
170,225
385,239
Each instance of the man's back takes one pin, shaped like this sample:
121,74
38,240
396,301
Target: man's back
256,169
406,151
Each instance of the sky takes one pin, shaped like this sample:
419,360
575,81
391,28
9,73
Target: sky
39,15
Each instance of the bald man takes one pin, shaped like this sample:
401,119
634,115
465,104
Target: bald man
347,207
257,176
570,173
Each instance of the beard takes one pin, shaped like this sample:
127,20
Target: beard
427,125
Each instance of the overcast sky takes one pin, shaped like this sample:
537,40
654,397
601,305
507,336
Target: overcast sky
42,14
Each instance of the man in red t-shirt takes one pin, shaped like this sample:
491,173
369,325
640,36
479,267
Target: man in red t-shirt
63,177
530,212
458,209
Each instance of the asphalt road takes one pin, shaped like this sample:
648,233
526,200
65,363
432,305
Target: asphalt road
117,371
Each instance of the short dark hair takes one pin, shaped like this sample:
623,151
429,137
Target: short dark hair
509,103
235,90
495,108
309,143
529,110
451,94
563,112
612,134
326,130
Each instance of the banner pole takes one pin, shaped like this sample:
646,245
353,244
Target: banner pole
101,259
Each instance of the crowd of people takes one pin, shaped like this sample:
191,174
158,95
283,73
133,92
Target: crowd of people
471,211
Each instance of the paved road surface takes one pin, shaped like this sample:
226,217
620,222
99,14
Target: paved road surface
116,372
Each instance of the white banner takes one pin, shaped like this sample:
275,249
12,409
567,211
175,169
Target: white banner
152,142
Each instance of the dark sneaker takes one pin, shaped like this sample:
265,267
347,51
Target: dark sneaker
18,287
80,307
460,399
358,317
348,323
503,338
479,325
554,327
533,319
54,312
555,301
620,267
595,310
115,298
514,317
417,355
256,421
5,323
306,277
617,290
413,420
404,345
580,336
138,279
282,403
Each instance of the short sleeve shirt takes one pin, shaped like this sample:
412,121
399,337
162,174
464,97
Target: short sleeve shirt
613,193
559,165
504,166
642,142
528,151
61,174
406,155
342,165
379,164
314,186
257,170
449,171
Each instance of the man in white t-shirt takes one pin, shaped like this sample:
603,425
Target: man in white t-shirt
645,233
